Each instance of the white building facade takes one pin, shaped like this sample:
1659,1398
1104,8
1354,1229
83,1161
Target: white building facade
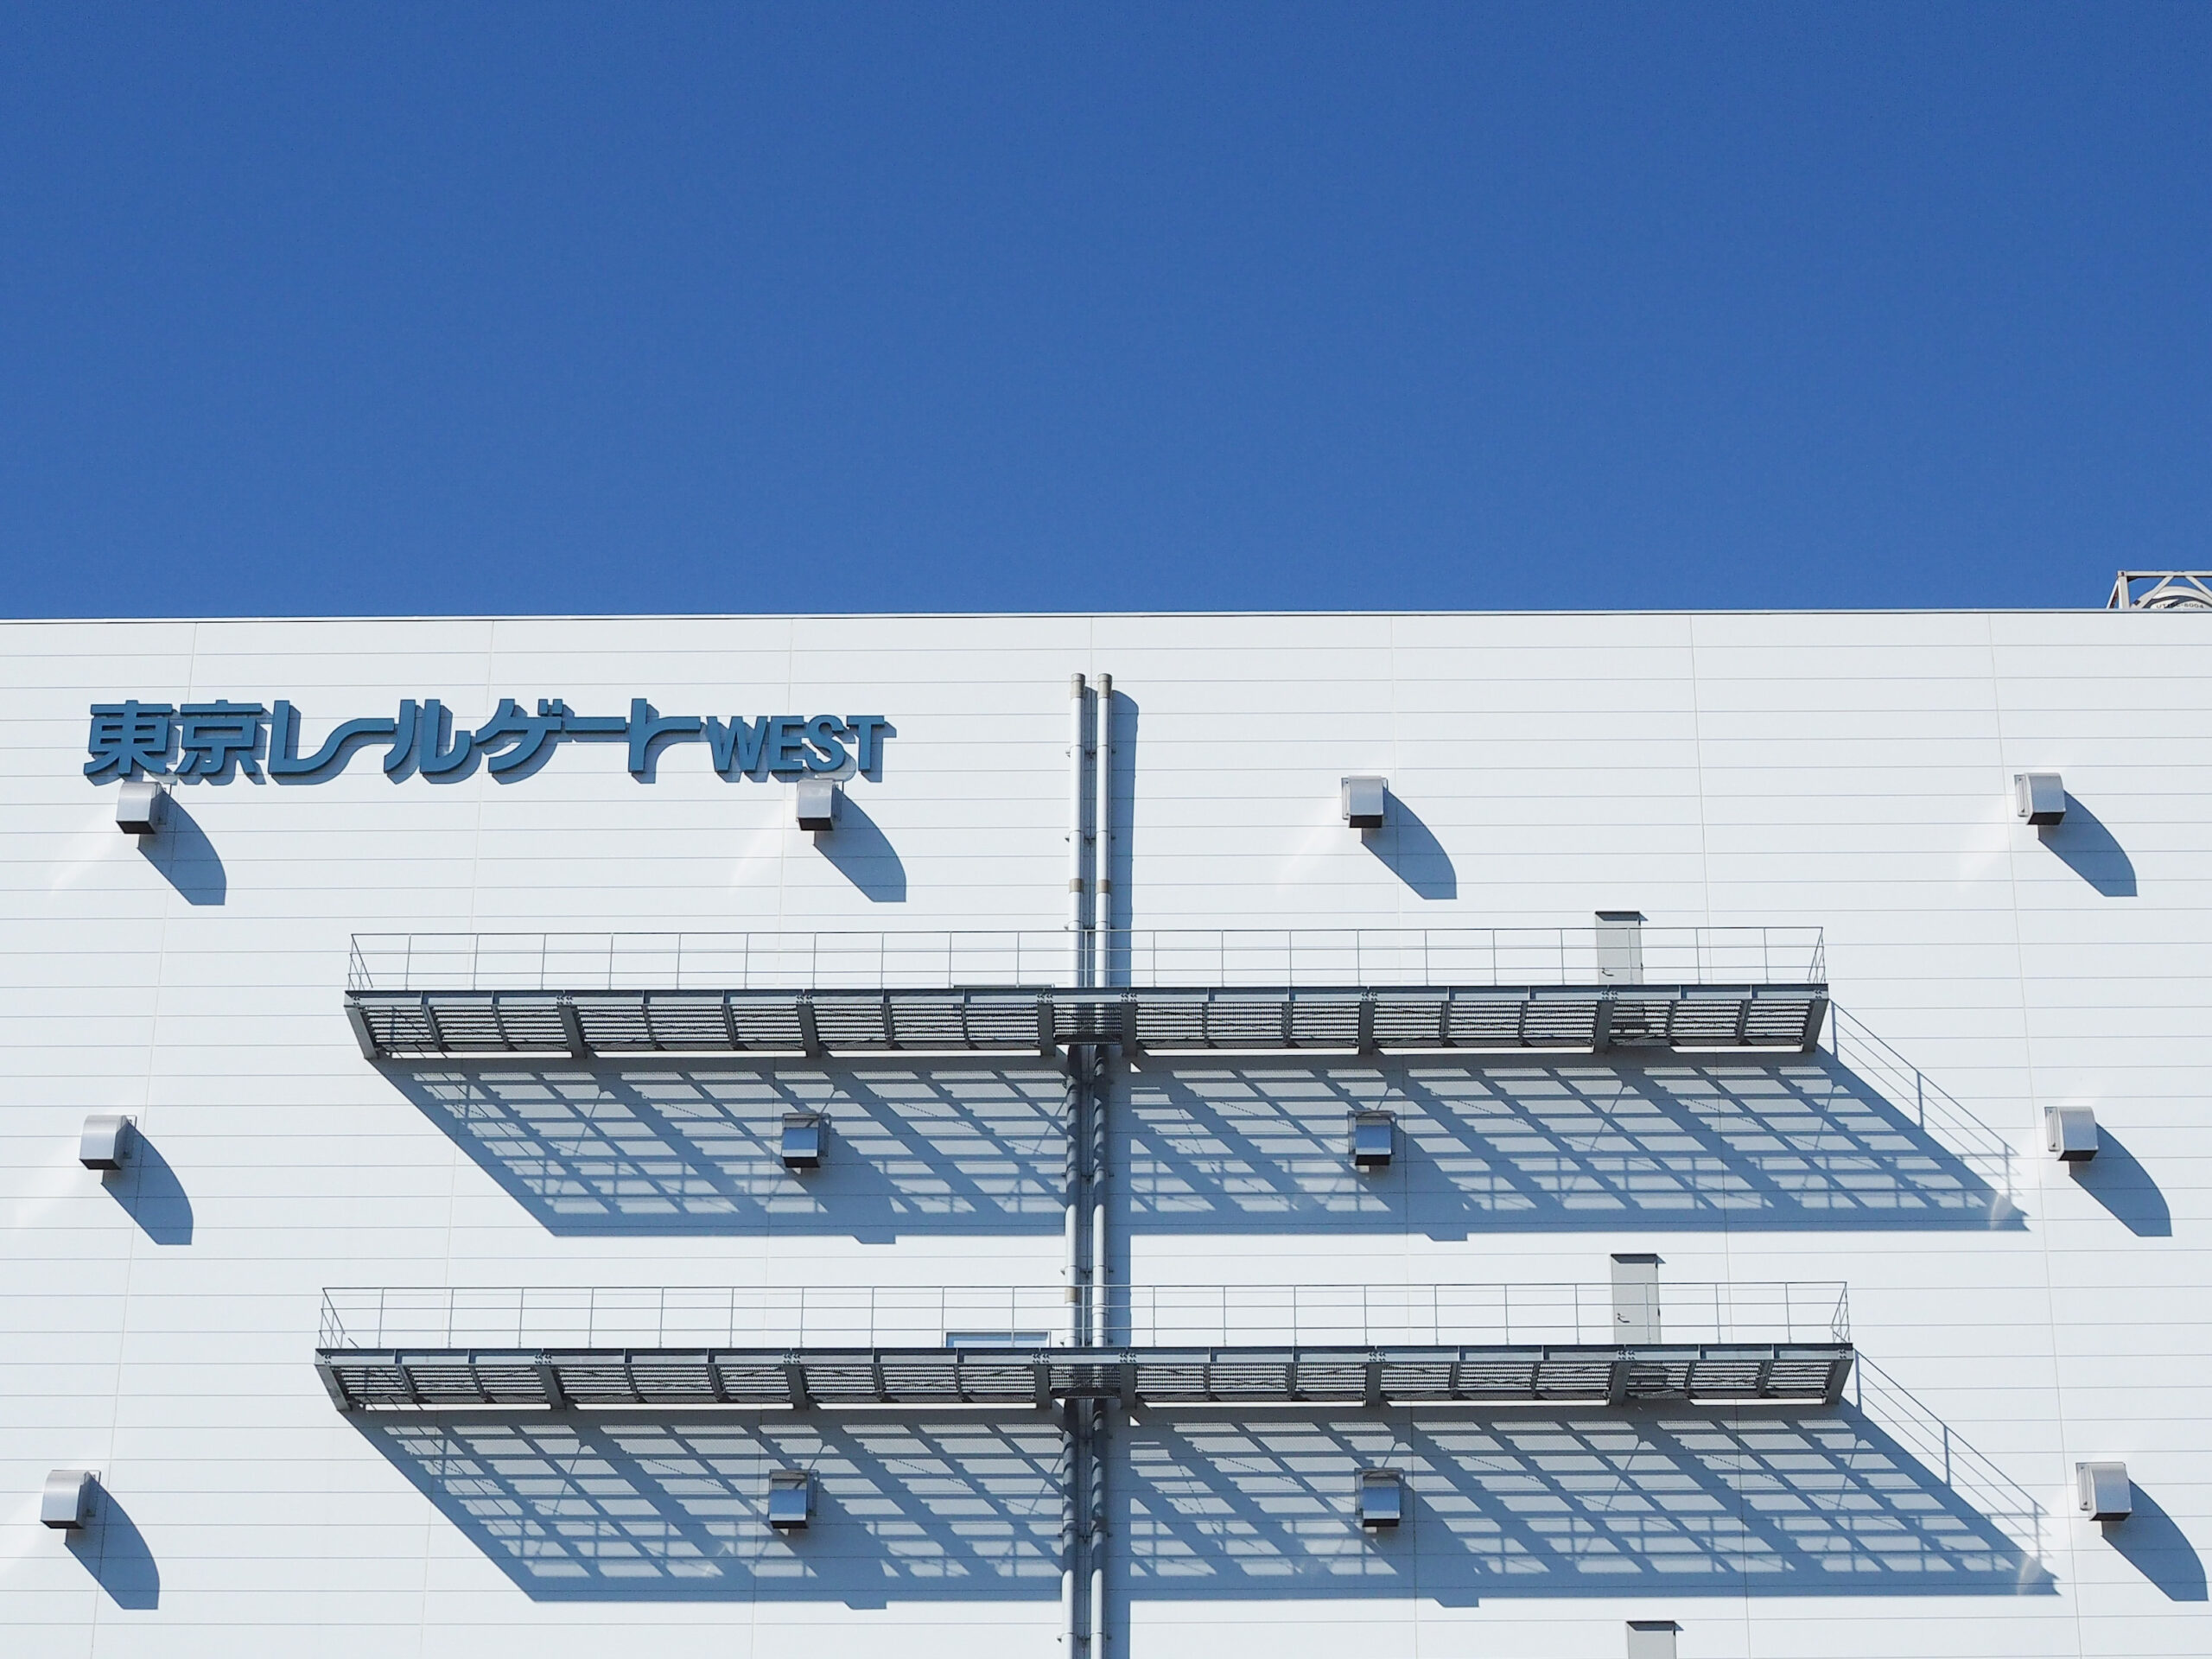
1416,1133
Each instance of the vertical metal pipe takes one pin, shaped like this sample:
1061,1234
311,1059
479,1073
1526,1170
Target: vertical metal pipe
1071,1472
1071,1263
1101,921
1102,908
1097,1472
1076,761
1102,1087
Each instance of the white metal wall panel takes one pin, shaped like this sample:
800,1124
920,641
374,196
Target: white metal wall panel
1846,771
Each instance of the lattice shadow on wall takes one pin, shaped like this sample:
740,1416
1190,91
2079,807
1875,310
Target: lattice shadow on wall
1544,1505
1614,1504
675,1507
645,1148
1229,1144
1553,1145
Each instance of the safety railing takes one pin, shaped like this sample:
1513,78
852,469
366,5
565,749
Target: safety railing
1038,1316
1933,1109
1144,958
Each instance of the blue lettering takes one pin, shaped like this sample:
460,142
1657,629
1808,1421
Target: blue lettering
739,746
648,730
864,730
220,738
822,731
786,739
285,760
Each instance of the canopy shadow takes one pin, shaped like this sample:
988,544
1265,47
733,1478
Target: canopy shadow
674,1508
1822,1503
671,1506
613,1147
1548,1144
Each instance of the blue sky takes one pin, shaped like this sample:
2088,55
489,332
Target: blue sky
314,309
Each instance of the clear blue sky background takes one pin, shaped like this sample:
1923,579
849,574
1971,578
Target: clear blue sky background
334,309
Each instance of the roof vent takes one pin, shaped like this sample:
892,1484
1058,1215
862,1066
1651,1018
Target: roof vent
802,1144
1374,1138
65,1503
105,1141
140,806
2039,797
2071,1132
791,1500
2103,1492
1363,798
817,804
1382,1498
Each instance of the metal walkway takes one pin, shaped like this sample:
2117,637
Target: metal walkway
433,1379
445,1024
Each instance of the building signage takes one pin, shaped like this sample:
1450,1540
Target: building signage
210,741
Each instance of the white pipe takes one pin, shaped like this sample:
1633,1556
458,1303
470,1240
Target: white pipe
1076,759
1070,1264
1097,1495
1102,1087
1098,1293
1102,909
1102,923
1070,1530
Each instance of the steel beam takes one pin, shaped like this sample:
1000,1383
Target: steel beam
1344,1021
1334,1378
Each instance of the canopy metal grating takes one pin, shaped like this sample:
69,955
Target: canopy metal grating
1288,1376
448,1023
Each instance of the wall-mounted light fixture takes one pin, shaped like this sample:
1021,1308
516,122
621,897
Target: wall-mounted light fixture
1365,800
1382,1498
2071,1132
817,804
791,1500
2103,1490
2039,797
65,1501
801,1148
1374,1138
104,1142
1652,1638
140,806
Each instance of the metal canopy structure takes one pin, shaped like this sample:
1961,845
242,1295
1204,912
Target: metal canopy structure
417,1349
446,1379
446,1024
